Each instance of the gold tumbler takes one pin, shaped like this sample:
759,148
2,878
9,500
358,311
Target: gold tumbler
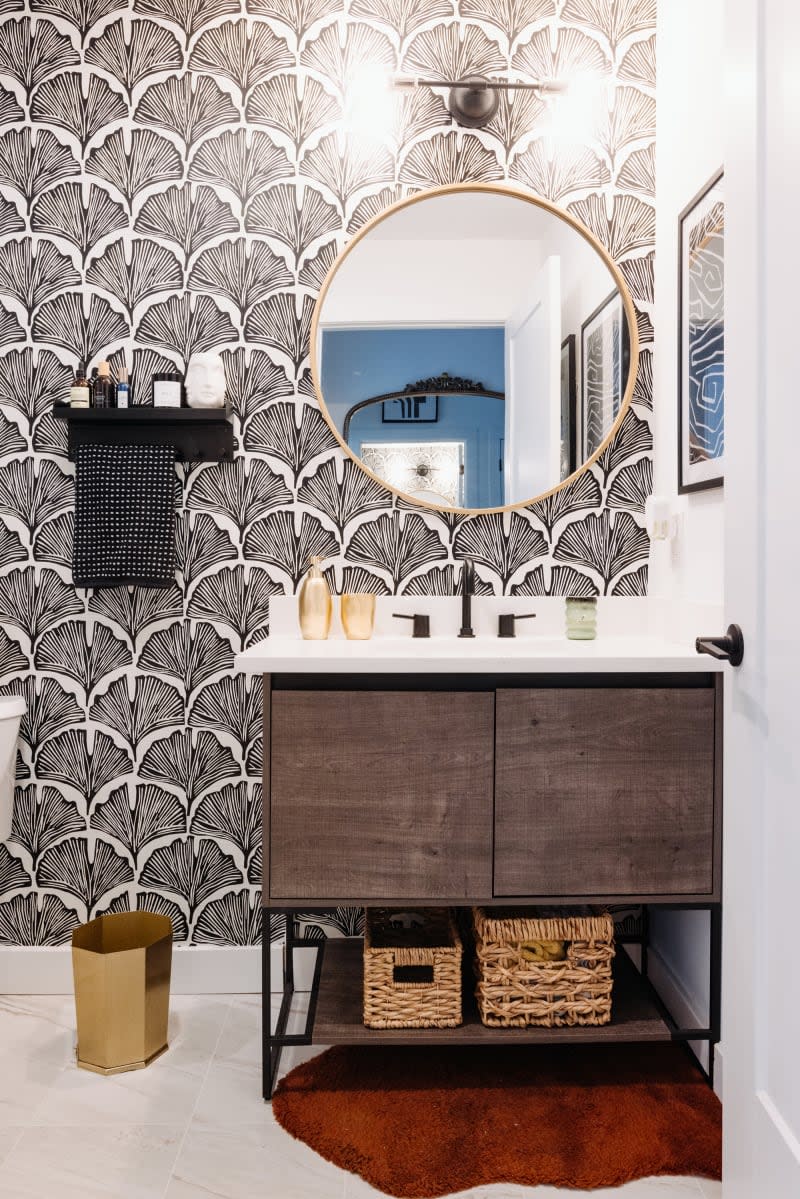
121,965
358,616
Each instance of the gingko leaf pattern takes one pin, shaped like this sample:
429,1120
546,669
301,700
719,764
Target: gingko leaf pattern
42,816
11,440
243,161
630,226
231,706
634,583
189,763
275,540
233,919
87,873
189,655
253,382
33,492
631,486
355,579
81,111
188,325
132,160
449,158
397,544
243,274
343,493
297,15
10,111
148,50
31,162
30,53
33,604
518,113
281,214
154,705
566,581
64,322
133,609
48,708
313,271
10,328
11,547
188,15
10,220
276,322
82,13
50,437
638,172
188,106
242,491
574,53
32,386
68,650
151,901
12,659
341,922
30,275
64,212
633,437
643,388
403,16
150,269
560,175
69,759
276,103
632,119
231,814
36,920
339,59
147,363
153,815
201,543
607,543
243,55
639,63
510,16
53,542
237,599
442,580
346,171
583,493
12,873
612,19
190,220
502,541
193,870
453,51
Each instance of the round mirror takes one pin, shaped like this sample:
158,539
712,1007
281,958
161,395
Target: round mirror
473,347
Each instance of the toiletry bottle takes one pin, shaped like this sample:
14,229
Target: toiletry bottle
315,605
79,391
123,390
102,387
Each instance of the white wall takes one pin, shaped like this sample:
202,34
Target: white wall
689,150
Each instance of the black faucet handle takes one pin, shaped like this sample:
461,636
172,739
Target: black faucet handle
507,620
422,623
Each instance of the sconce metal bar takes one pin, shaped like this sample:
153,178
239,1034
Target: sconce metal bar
474,100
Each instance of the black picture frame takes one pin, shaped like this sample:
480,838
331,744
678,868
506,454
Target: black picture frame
409,410
569,406
592,324
701,218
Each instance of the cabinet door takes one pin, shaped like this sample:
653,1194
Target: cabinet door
378,794
604,792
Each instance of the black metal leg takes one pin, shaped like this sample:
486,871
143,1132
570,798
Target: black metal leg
645,938
715,990
275,1040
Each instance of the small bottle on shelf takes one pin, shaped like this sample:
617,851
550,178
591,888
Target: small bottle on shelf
79,391
123,388
102,387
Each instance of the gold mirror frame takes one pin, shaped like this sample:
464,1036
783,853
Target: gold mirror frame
503,189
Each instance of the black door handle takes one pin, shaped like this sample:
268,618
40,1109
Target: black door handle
729,648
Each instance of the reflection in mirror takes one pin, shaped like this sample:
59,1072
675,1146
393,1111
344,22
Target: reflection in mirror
472,348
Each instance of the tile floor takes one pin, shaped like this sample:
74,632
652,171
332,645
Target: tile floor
191,1126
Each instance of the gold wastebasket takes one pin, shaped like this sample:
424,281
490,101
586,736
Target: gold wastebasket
121,965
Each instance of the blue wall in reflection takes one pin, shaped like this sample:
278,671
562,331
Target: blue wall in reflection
359,363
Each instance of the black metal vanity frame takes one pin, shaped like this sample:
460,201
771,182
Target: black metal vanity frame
333,1015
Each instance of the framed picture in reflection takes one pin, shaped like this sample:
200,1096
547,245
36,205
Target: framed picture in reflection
410,410
605,351
701,323
569,407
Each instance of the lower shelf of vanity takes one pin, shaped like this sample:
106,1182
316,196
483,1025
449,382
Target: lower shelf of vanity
637,1014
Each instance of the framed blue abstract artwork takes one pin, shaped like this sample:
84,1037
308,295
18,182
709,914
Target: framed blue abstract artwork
701,332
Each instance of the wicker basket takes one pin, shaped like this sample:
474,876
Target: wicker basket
412,969
514,991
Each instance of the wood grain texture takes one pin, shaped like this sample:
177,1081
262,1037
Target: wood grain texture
381,793
604,791
634,1016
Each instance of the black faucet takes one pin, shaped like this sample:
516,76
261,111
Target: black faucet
467,592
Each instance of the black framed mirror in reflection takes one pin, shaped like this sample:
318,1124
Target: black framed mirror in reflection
473,347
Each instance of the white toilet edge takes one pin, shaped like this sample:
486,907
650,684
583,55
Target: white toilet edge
12,707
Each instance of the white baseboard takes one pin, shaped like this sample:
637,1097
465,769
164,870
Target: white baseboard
196,970
682,1008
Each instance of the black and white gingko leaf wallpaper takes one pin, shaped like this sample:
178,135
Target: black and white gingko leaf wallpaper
178,175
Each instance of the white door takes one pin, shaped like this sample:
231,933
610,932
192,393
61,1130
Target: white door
761,971
533,388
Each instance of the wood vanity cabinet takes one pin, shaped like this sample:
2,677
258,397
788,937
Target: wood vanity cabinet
491,790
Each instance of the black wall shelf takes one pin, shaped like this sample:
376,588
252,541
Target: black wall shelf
198,434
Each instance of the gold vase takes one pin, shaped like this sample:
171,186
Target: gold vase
314,604
358,615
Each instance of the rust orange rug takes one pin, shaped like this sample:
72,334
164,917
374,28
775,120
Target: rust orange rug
429,1121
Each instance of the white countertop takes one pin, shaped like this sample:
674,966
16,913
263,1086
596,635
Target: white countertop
632,637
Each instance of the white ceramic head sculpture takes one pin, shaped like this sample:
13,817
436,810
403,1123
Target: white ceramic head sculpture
205,381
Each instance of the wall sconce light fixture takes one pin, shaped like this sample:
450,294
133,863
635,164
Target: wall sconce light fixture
474,100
